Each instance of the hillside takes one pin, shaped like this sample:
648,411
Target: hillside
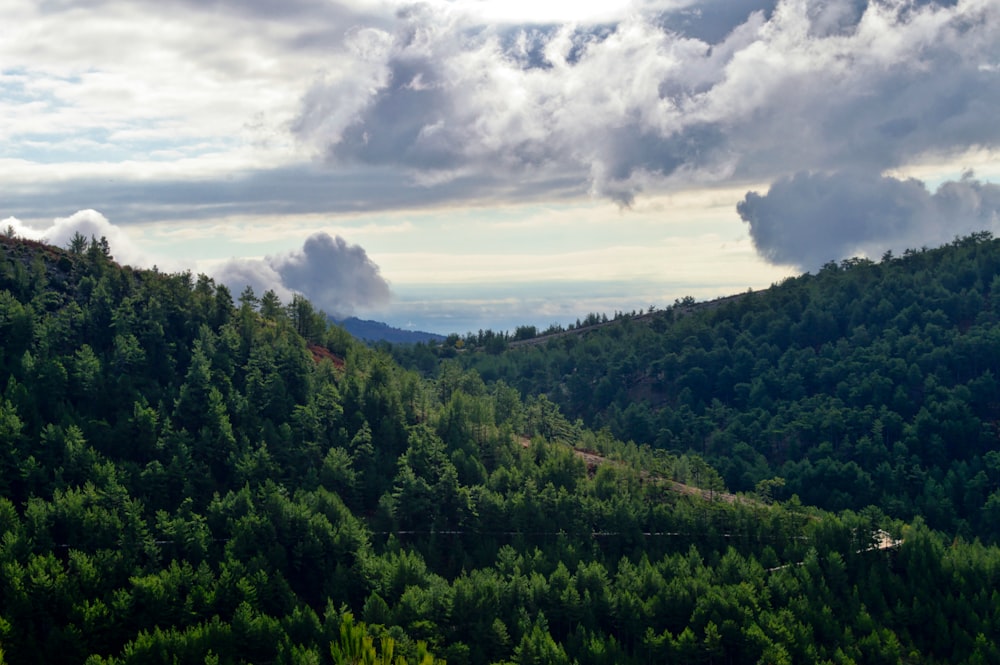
189,478
866,383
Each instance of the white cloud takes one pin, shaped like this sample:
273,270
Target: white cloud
346,95
238,274
90,224
138,77
639,105
19,229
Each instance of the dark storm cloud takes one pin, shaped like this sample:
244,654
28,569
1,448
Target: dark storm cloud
811,218
335,276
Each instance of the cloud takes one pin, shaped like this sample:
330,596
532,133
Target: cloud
811,218
238,274
19,229
289,190
287,108
335,276
434,103
708,94
89,224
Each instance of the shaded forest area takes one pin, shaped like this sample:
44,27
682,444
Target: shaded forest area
189,477
866,383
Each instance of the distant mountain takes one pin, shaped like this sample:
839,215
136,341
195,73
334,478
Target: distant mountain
376,331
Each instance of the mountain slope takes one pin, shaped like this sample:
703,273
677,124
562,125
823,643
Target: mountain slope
188,479
867,383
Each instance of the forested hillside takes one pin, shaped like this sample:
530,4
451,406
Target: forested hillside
866,383
188,478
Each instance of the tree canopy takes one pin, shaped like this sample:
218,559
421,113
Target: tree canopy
185,478
866,383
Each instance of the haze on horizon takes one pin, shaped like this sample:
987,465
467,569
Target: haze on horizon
456,165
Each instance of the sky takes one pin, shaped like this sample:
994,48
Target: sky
455,165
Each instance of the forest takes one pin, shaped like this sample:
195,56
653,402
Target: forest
189,476
868,383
